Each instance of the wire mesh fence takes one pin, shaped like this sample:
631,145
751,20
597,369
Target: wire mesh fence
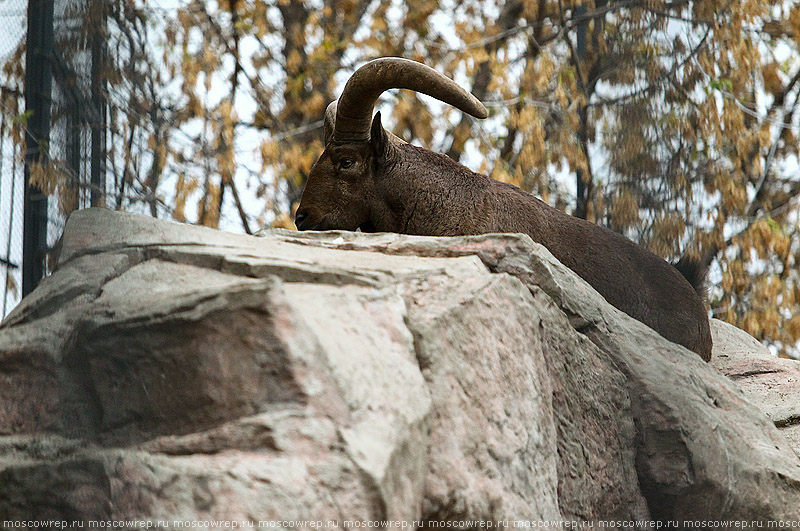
77,113
51,130
111,103
13,14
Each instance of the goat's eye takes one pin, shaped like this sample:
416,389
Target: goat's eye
346,163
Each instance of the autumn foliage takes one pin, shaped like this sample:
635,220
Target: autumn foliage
673,122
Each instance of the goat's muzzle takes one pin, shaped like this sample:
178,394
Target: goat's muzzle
301,221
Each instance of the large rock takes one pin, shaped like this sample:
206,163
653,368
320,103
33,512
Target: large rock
769,382
168,372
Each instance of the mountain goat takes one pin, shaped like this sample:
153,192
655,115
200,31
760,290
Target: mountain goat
369,179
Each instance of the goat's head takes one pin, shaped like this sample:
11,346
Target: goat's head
341,188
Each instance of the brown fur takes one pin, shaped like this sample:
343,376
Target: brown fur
396,187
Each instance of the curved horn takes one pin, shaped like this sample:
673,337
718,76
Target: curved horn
330,120
354,110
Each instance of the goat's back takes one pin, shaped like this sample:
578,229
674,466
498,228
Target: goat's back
435,196
630,277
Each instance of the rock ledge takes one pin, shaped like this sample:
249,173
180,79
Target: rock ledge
175,372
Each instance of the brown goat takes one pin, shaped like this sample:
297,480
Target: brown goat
369,179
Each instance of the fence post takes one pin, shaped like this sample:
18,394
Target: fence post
38,96
98,120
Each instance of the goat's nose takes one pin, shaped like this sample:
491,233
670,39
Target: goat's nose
299,218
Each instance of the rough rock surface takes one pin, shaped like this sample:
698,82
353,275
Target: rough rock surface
769,382
175,372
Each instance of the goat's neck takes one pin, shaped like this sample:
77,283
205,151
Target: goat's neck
429,194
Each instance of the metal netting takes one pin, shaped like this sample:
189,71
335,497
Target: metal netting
77,117
13,19
60,109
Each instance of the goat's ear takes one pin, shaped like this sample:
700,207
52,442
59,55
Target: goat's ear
378,139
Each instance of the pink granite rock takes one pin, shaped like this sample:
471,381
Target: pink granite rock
169,372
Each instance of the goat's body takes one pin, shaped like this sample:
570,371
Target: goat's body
366,178
451,200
